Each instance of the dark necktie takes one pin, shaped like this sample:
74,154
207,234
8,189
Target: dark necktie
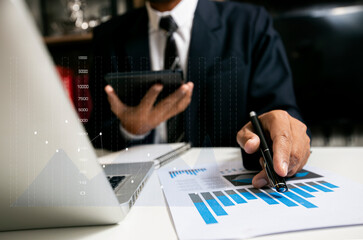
175,124
169,25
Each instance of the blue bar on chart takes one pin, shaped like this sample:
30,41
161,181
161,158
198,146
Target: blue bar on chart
280,197
223,198
318,186
299,191
305,187
246,194
202,209
269,200
235,196
299,200
214,205
328,184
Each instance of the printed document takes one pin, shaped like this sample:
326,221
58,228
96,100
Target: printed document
210,201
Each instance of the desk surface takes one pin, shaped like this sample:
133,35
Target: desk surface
150,218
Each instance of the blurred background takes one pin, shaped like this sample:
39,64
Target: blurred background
323,41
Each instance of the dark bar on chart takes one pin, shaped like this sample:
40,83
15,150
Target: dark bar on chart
328,184
235,196
223,198
318,186
202,209
246,194
269,200
280,197
299,191
299,199
212,202
305,187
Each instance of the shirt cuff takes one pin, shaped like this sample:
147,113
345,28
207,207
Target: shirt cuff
132,137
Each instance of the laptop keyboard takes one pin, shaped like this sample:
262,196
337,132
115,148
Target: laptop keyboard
115,180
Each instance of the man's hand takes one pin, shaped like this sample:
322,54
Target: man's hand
290,144
141,119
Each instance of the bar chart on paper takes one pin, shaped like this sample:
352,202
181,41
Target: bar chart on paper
175,173
218,201
212,204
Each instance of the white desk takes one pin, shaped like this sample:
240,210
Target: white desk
150,218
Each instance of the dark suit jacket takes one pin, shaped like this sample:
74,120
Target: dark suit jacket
236,61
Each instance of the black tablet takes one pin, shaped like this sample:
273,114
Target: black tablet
132,86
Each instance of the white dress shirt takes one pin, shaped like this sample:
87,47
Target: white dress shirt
183,15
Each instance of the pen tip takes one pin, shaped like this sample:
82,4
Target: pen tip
252,114
281,188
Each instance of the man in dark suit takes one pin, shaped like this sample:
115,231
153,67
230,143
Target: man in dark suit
233,61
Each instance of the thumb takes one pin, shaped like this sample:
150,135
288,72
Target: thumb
247,139
117,106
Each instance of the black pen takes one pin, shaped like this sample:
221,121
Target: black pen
276,181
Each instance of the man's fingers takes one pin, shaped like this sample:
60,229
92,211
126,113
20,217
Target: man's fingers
260,180
247,139
180,106
301,149
183,103
296,159
278,125
117,106
149,99
290,143
281,155
168,106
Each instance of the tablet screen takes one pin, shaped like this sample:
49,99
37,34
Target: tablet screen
132,86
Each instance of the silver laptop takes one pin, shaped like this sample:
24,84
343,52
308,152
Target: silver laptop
49,174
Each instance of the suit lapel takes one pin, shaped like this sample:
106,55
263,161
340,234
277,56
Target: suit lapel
137,44
206,37
205,46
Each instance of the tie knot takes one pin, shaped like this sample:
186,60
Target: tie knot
168,24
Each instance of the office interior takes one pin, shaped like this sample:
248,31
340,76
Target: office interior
323,41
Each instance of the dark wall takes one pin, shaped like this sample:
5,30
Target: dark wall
324,44
280,6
